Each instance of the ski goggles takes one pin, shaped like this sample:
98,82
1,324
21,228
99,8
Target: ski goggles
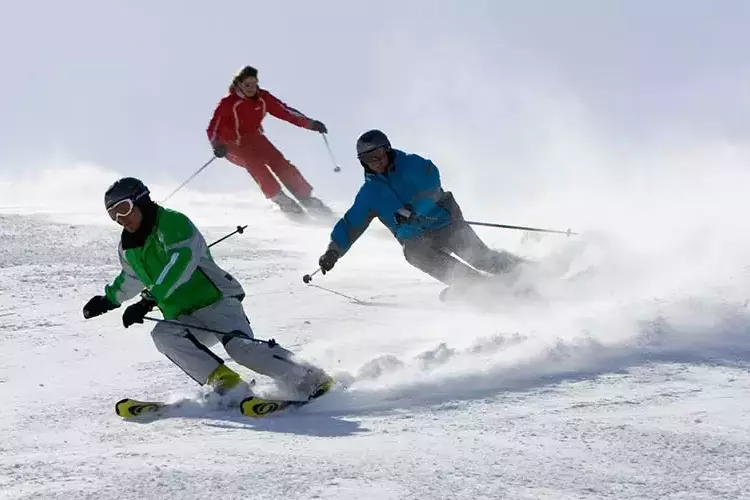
122,208
373,155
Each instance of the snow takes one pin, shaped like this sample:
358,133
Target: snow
627,381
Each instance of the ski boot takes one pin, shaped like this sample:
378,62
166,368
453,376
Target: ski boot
314,384
228,385
289,207
317,208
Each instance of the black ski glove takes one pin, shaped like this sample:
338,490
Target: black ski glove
328,260
220,150
135,312
319,126
404,215
97,305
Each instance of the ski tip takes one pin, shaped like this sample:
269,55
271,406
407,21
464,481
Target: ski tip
256,407
121,407
130,408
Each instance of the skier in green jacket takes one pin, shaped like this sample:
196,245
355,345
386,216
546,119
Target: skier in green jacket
162,251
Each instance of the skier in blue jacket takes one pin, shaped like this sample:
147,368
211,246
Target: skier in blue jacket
404,191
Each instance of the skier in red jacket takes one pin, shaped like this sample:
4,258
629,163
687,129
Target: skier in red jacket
235,131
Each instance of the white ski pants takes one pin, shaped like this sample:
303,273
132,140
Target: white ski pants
189,348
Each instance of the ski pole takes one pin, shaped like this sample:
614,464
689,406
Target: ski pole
233,334
308,277
336,168
523,228
348,297
239,230
189,178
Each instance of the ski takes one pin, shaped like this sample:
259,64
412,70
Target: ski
256,407
132,408
253,406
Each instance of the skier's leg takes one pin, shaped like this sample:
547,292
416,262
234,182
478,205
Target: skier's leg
255,165
228,315
189,349
292,178
426,256
462,240
287,173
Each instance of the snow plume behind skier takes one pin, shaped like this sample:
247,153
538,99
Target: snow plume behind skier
236,132
162,251
405,192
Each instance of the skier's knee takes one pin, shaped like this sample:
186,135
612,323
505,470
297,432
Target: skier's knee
275,362
226,338
407,254
417,260
236,347
160,337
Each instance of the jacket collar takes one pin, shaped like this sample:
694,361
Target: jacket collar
138,238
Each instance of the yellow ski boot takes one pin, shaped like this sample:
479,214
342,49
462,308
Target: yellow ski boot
224,380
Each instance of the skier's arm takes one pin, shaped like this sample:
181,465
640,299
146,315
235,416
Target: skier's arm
184,246
352,225
282,111
222,129
125,286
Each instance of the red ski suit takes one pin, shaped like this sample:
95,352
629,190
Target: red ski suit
236,123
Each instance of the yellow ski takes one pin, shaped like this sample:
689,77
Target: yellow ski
132,408
256,407
252,406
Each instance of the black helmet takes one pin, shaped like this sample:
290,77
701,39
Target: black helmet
371,140
127,188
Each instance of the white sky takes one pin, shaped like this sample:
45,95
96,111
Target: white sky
131,84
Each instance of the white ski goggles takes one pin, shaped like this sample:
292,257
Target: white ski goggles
122,208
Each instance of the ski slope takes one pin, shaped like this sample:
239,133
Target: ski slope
629,380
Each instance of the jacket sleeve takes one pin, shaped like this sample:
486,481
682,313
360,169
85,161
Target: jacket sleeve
184,246
125,286
281,110
222,128
425,201
353,224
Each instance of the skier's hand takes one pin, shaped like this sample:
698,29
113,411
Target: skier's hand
318,126
404,215
220,150
328,260
97,305
136,312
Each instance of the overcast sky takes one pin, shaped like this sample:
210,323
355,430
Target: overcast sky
131,84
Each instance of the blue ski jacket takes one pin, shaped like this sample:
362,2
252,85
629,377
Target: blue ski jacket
411,182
